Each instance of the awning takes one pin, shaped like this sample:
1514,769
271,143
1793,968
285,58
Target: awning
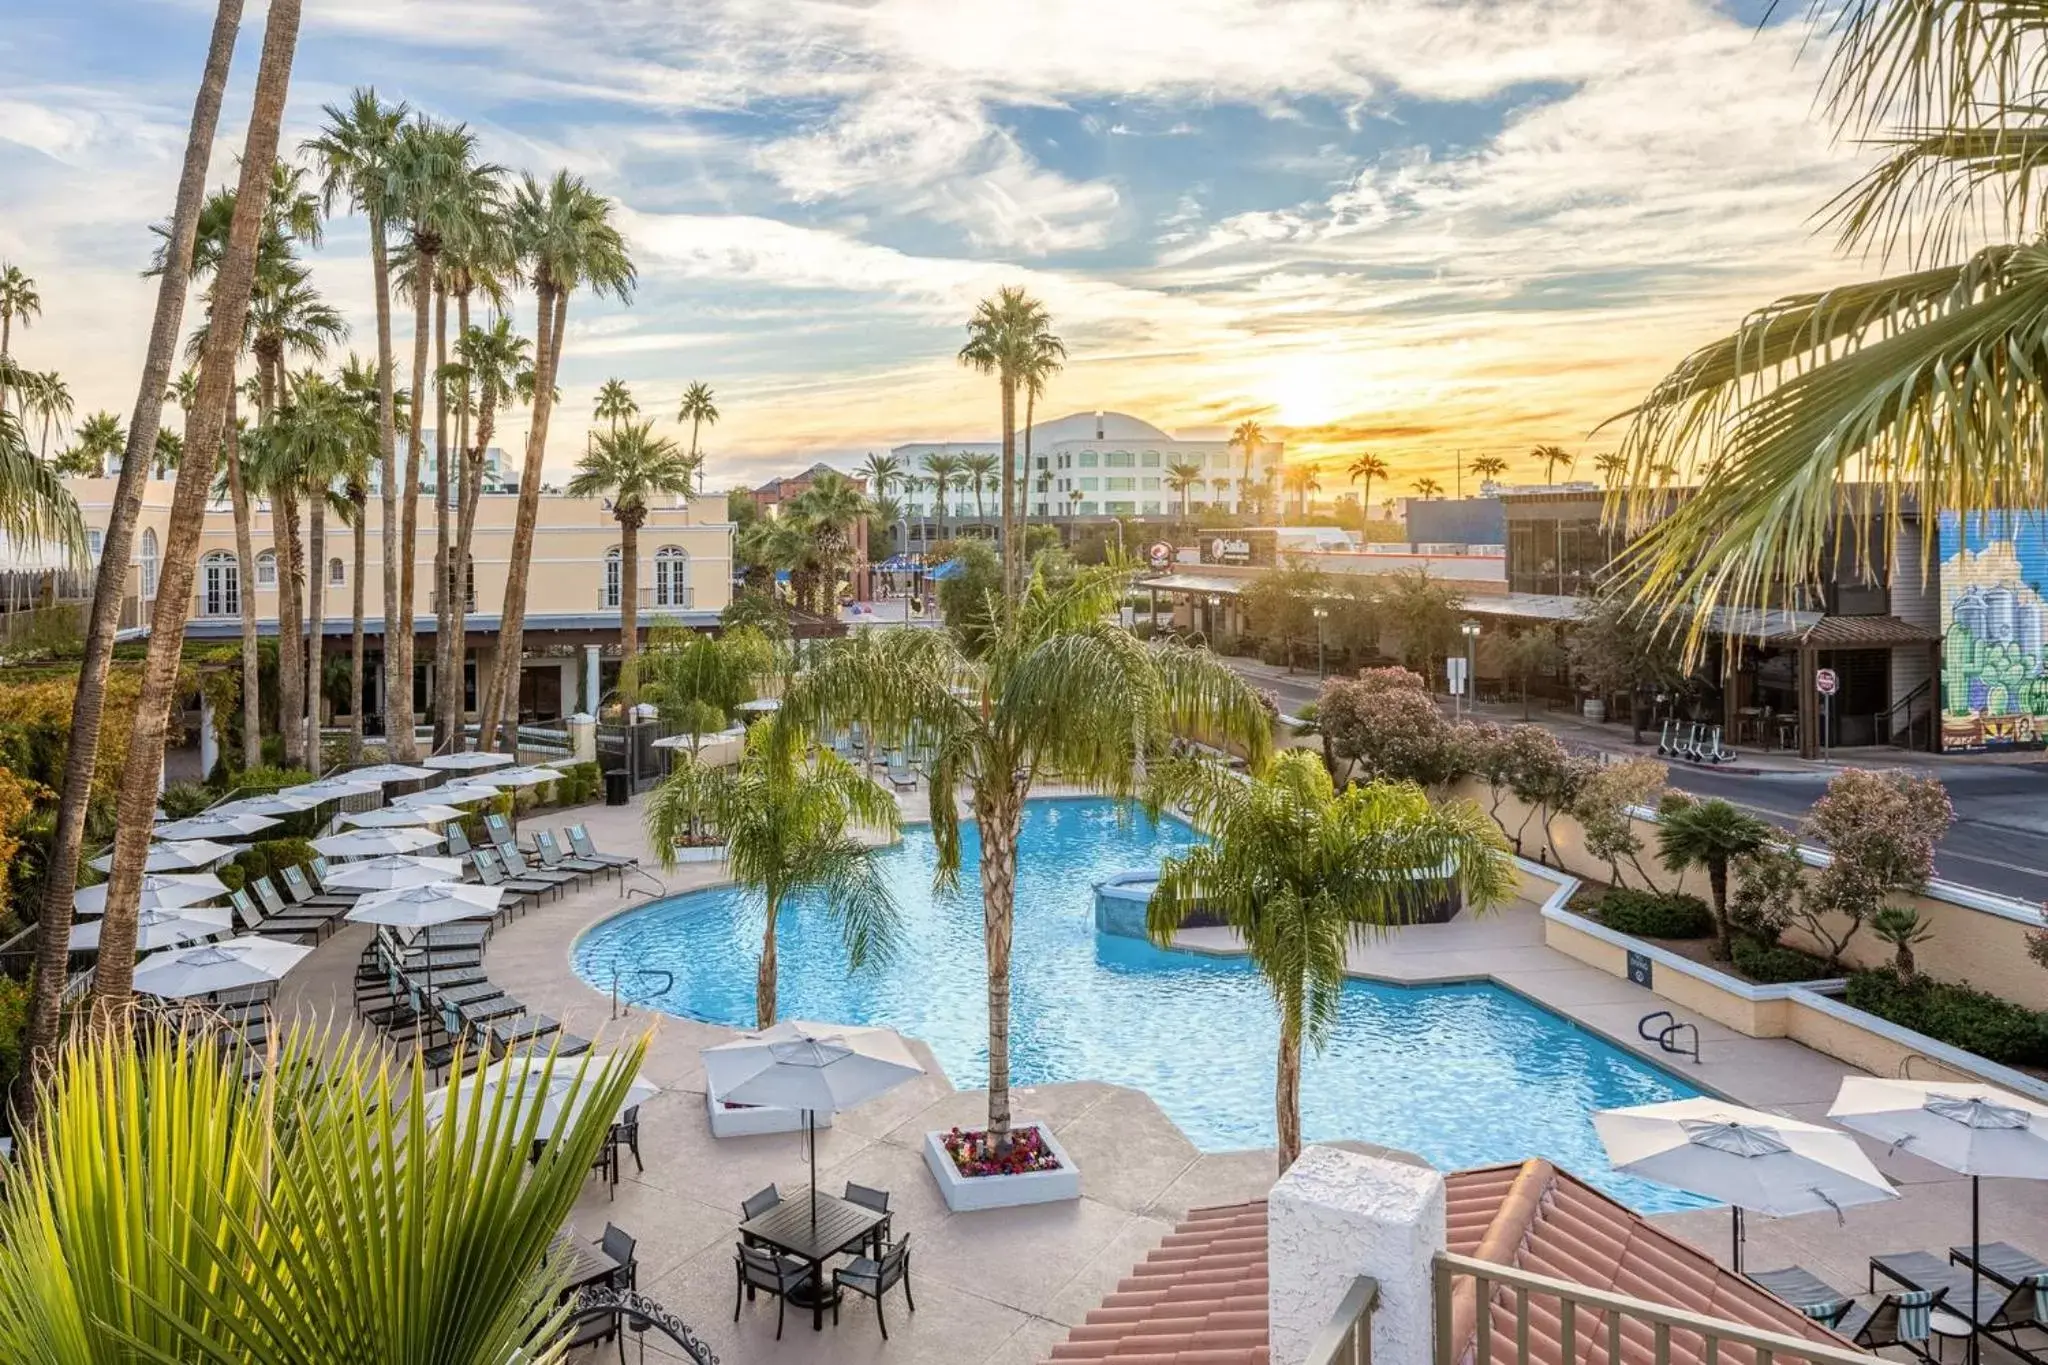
952,568
1196,582
1526,606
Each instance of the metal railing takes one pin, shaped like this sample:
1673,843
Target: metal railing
1348,1338
1570,1313
676,598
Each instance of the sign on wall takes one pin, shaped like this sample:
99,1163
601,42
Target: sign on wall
1239,547
1994,629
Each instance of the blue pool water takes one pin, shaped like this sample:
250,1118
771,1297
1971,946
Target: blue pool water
1461,1075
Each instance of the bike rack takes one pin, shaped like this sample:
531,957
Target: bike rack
1666,1037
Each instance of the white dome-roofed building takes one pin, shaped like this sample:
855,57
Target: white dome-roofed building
1084,465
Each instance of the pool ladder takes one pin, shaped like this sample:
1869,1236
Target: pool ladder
1669,1034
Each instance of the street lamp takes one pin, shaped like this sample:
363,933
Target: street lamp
1470,630
1209,624
1322,614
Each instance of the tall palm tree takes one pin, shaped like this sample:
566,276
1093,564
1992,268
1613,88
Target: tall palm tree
943,469
1044,683
1182,476
788,812
1489,467
1301,482
564,236
1010,336
81,755
136,809
18,299
828,512
1247,436
882,472
318,438
615,403
495,361
359,383
48,399
1710,835
980,472
631,465
1613,468
1426,487
169,1209
1302,871
1044,356
358,157
96,440
699,409
1550,457
1365,469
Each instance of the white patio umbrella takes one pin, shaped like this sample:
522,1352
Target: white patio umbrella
160,928
177,856
452,795
468,762
557,1104
812,1067
531,776
423,907
371,843
212,825
277,803
400,817
333,789
1748,1159
233,965
393,872
1966,1126
160,891
385,773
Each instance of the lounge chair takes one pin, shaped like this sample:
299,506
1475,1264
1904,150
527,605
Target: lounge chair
2003,1262
1806,1291
499,829
492,873
299,928
300,892
518,868
876,1277
275,909
580,843
762,1270
2001,1308
902,779
1904,1319
551,857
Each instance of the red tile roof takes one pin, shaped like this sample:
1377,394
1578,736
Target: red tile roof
1200,1297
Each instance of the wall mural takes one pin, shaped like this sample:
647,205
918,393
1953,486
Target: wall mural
1994,619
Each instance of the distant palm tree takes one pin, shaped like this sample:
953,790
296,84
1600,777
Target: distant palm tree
1612,467
882,473
615,403
1710,834
1010,336
699,409
791,816
1247,436
1073,502
96,440
1302,483
1183,476
827,513
1222,487
979,471
1550,457
1489,467
1044,355
1364,470
18,299
632,466
1302,872
943,469
1428,488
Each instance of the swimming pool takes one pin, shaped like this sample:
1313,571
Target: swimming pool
1461,1075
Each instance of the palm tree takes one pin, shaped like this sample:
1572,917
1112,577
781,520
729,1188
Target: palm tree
1613,468
1710,834
322,1169
320,437
1182,476
699,409
1428,488
96,440
359,383
979,471
1550,457
1042,683
1301,481
827,512
788,818
564,235
48,397
615,403
81,755
1044,355
1302,871
1247,436
1365,469
495,361
1074,502
18,299
1489,467
136,809
943,469
357,153
1010,336
881,472
1222,487
631,465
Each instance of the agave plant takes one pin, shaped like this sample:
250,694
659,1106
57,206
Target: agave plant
171,1209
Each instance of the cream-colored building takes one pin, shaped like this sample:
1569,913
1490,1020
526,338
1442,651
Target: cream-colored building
573,587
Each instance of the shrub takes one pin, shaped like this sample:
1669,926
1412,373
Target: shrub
232,876
1656,914
182,800
269,778
273,855
1958,1014
14,997
1771,964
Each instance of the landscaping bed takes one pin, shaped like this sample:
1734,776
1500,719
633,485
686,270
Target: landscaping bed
1957,1014
1035,1169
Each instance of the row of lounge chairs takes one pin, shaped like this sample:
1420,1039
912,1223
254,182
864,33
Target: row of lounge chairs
1927,1294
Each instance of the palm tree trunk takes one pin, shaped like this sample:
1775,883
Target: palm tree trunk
355,634
1717,887
1287,1096
999,812
245,568
409,510
445,658
81,759
629,608
291,651
1023,493
465,530
764,971
316,623
503,692
115,974
398,736
1365,513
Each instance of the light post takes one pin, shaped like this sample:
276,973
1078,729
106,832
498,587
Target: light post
1470,630
1322,614
1209,621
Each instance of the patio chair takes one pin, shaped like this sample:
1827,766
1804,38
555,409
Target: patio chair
516,865
758,1203
492,873
301,893
299,928
2001,1308
580,843
1904,1319
875,1278
594,1324
868,1198
902,779
627,1131
499,829
618,1244
764,1271
552,858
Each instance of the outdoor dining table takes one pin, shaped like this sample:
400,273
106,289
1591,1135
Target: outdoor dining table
588,1265
791,1228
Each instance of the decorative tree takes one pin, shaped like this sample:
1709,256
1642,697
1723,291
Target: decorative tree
1711,835
1880,830
1604,809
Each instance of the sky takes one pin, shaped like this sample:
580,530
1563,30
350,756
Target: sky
1424,228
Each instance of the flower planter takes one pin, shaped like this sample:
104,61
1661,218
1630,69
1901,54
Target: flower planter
969,1193
755,1119
700,853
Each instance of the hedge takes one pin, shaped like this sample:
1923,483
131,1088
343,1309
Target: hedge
1960,1015
1770,964
1655,914
272,855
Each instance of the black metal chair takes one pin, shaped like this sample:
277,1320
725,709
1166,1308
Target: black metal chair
875,1278
760,1270
868,1198
758,1203
618,1244
596,1324
627,1132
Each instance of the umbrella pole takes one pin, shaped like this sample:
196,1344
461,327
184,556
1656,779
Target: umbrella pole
811,1123
1976,1252
1736,1228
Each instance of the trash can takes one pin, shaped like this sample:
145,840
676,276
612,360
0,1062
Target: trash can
617,790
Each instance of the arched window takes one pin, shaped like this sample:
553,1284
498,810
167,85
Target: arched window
337,572
671,577
608,596
266,569
149,565
220,585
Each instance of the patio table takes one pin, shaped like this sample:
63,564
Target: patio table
588,1263
790,1228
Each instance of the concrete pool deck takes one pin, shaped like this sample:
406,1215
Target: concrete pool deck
1000,1288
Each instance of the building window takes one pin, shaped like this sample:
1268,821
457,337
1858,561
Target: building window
1222,459
220,585
1150,459
1120,459
337,572
671,577
1087,459
1087,509
1121,485
1149,485
95,541
1089,485
609,595
1121,509
1151,509
266,569
149,564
